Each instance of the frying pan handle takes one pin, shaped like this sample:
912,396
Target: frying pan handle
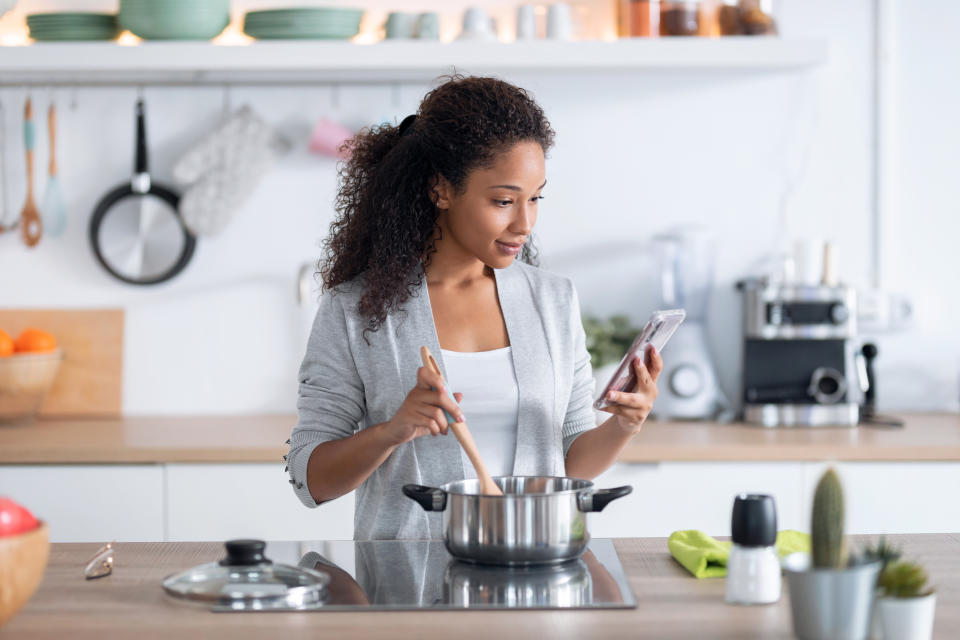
597,500
430,499
140,165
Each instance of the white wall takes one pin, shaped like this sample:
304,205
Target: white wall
636,153
925,363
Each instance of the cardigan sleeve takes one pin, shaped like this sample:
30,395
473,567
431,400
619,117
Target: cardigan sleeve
580,416
330,401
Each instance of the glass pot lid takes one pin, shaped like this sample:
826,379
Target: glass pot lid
246,579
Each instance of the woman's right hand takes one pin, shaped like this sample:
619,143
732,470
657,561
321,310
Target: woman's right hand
421,413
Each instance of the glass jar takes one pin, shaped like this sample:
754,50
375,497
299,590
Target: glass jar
728,18
639,18
679,17
756,17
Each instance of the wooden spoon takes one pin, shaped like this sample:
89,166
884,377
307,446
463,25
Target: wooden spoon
487,486
30,226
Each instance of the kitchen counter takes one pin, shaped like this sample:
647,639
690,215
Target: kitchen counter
226,439
672,604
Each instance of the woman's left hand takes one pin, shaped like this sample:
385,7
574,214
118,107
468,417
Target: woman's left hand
633,407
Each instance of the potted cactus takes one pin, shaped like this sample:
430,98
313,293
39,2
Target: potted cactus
831,595
906,603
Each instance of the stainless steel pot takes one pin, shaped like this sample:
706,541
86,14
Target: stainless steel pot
538,520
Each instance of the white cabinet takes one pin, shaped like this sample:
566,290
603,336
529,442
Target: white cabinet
880,497
91,503
224,501
695,495
152,502
894,497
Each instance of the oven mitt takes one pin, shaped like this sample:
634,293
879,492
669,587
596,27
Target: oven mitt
706,557
224,168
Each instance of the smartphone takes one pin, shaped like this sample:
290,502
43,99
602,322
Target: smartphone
657,332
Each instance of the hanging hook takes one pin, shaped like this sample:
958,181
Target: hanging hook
73,98
335,96
396,95
227,99
140,92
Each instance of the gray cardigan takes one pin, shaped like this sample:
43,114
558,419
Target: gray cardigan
347,385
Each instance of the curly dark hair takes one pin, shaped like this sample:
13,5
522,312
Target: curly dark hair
386,220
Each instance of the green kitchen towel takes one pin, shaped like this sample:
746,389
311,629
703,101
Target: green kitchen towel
706,557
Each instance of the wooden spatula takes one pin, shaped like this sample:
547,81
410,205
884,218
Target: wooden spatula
52,208
30,226
460,430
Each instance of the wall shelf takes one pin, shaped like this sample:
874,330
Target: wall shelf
284,62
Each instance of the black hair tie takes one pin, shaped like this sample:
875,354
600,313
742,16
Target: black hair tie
406,123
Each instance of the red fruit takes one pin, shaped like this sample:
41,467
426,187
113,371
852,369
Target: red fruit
15,518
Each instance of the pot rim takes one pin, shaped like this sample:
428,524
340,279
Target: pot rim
589,486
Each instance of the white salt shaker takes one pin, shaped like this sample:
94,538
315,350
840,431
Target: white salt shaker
753,567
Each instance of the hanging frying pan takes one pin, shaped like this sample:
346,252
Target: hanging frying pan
136,231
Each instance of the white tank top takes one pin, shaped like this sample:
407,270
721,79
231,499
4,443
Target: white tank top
490,404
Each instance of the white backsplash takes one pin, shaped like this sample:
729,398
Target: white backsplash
636,153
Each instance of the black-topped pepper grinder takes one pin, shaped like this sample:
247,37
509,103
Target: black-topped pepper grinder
753,567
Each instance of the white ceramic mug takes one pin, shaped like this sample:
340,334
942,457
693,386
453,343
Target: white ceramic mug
808,260
476,25
526,22
559,22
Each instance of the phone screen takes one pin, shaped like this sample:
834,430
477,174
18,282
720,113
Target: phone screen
657,332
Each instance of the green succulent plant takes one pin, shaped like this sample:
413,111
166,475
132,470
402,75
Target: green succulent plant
882,551
827,542
903,579
608,339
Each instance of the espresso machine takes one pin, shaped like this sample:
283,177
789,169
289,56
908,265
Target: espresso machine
802,362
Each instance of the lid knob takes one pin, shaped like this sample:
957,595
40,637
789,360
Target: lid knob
241,553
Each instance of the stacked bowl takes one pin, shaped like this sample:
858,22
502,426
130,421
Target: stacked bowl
308,23
174,19
72,26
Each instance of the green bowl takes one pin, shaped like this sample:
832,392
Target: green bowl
308,11
196,27
301,34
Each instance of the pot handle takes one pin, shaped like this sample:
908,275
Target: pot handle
597,500
430,499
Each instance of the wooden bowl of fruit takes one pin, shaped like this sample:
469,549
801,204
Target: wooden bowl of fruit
24,550
28,368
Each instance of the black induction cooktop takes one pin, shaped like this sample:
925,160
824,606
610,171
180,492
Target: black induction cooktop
392,575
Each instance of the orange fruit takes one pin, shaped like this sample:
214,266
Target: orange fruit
35,341
6,344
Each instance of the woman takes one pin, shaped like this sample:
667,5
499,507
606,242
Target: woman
432,216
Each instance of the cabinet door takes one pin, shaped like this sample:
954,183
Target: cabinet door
670,496
225,501
894,497
90,503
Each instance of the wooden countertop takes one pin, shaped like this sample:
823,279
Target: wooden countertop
224,439
672,604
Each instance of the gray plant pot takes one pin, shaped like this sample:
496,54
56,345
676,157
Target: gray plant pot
830,604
